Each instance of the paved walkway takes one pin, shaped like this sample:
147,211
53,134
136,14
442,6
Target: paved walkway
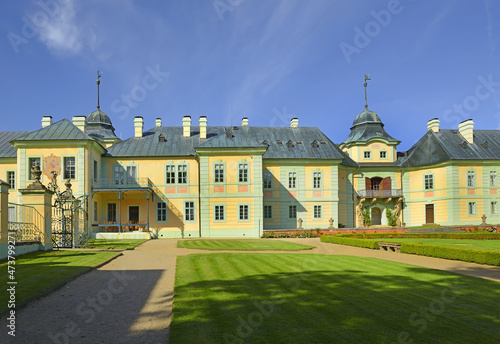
129,300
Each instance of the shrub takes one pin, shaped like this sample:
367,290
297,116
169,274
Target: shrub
474,236
335,239
391,217
464,254
367,216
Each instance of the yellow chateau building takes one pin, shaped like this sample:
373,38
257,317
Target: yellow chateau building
196,180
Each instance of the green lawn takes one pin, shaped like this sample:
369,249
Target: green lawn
294,298
466,243
123,244
242,244
39,272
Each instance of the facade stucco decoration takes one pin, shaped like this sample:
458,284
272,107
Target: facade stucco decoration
51,164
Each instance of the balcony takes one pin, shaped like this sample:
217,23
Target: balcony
380,193
124,183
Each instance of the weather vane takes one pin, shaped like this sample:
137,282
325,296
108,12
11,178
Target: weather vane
367,77
98,82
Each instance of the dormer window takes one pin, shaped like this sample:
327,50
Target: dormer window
229,134
314,144
265,143
279,142
161,138
289,144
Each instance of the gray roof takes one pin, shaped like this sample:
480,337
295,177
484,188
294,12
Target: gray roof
366,126
301,140
61,130
6,149
450,145
99,125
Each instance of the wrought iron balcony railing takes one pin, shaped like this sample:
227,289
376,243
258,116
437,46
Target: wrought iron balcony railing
125,182
381,193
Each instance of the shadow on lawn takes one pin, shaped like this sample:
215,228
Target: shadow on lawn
347,306
102,306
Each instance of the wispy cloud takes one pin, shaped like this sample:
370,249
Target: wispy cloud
61,34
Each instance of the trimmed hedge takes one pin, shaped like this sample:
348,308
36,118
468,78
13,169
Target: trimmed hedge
333,239
473,236
464,254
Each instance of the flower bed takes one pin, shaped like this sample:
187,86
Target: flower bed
313,233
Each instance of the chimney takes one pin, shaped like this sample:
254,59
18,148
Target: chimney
46,121
466,129
79,122
294,122
138,126
244,122
158,122
186,126
433,125
203,127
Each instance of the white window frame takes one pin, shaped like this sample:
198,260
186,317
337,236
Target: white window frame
189,211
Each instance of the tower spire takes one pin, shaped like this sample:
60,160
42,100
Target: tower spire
367,77
98,82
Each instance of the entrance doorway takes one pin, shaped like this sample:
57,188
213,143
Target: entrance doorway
133,214
376,216
429,213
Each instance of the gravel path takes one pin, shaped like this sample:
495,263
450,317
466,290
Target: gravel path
129,300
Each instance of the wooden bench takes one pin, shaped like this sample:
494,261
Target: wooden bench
389,246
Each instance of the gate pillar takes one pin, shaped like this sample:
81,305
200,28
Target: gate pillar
4,218
37,196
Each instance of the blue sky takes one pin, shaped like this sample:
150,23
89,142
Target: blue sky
267,60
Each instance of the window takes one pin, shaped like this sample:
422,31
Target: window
243,173
111,212
292,211
317,212
131,175
182,174
69,168
494,207
32,163
161,211
170,174
219,173
471,178
292,180
118,175
472,208
268,212
11,215
243,213
268,180
383,155
96,211
219,213
96,171
11,179
189,211
493,178
316,180
428,182
367,154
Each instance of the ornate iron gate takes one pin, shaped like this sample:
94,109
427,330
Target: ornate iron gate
69,217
